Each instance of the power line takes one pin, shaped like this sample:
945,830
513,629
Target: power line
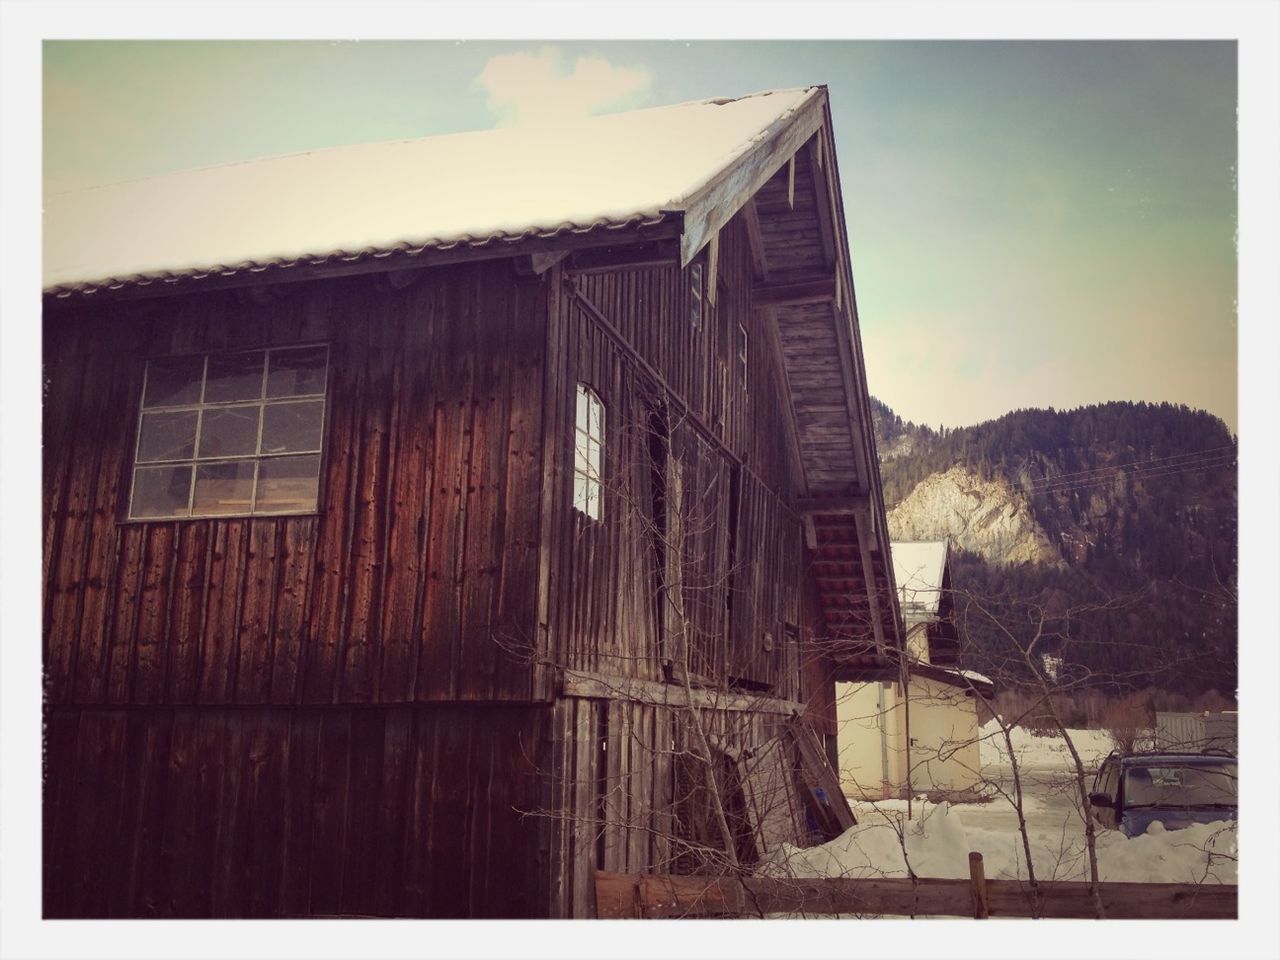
1171,458
1151,473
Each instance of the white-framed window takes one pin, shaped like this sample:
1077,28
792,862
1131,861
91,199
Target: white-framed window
742,356
236,433
588,453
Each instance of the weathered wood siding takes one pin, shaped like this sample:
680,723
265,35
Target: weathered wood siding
393,811
416,578
697,463
626,792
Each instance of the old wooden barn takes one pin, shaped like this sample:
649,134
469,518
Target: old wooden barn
430,524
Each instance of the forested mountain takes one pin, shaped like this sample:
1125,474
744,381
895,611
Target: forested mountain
1121,514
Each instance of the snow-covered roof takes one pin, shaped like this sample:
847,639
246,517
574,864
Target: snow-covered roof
917,570
407,195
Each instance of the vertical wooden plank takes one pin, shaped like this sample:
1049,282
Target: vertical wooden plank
219,652
64,595
122,837
358,668
615,789
523,501
123,622
303,750
404,556
663,819
229,892
151,649
555,397
360,849
329,802
256,612
326,612
481,638
186,611
642,762
266,794
555,788
293,609
395,823
100,745
449,866
59,810
80,592
415,892
584,812
438,660
492,888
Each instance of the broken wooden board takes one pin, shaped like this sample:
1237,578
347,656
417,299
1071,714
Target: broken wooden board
772,807
827,799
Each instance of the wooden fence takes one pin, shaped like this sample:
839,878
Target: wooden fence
653,896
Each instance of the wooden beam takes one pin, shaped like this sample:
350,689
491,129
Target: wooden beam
863,521
628,256
713,265
822,195
759,259
791,182
817,290
793,436
838,505
711,207
598,686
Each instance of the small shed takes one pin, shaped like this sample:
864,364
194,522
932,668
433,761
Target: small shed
920,728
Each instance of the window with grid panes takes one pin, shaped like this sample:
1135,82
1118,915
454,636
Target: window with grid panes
230,434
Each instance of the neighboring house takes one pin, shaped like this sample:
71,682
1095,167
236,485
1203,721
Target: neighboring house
930,735
405,503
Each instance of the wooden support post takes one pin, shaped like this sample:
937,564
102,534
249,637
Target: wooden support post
713,265
979,881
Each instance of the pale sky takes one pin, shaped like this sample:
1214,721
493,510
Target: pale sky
1032,224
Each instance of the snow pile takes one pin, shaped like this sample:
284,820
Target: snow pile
1043,751
1203,852
937,844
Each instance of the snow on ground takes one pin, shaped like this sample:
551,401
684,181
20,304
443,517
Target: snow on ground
1035,751
937,838
937,844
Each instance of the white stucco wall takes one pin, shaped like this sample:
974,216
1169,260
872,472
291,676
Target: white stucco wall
859,736
944,728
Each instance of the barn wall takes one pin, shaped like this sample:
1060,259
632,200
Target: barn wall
685,428
393,811
631,794
416,578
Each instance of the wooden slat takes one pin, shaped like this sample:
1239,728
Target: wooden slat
816,773
713,204
579,683
659,897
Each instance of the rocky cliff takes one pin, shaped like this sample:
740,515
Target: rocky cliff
989,518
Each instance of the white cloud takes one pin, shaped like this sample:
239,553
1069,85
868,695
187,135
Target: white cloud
536,88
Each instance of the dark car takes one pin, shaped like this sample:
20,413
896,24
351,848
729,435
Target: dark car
1134,790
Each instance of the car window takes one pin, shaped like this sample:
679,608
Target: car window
1183,785
1109,785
